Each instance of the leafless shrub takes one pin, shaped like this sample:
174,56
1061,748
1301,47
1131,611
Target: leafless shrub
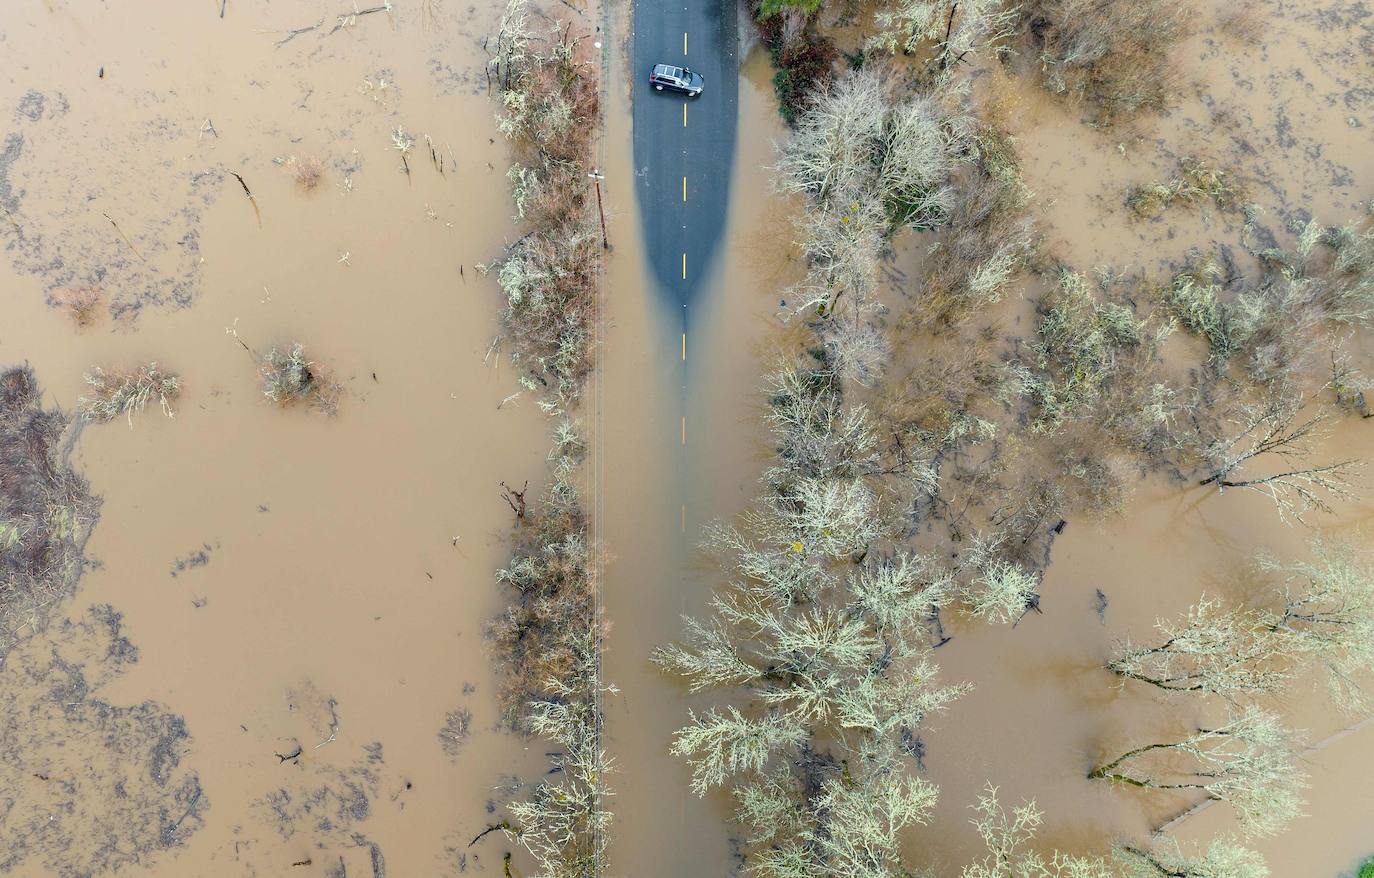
1113,56
989,237
550,276
947,31
288,378
308,171
81,304
127,391
1196,183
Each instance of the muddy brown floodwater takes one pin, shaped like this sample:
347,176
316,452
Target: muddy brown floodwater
291,582
284,620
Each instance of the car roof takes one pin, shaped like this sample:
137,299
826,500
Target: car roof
668,69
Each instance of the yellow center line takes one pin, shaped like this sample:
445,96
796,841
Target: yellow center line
684,115
684,266
684,42
684,518
684,429
684,188
684,347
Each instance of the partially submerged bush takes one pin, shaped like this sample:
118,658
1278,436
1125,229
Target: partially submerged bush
547,643
989,238
804,59
869,163
944,31
46,509
1195,184
128,391
81,304
550,276
547,646
288,378
1113,56
1081,350
307,171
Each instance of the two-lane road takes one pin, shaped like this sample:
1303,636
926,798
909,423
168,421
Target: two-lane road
684,147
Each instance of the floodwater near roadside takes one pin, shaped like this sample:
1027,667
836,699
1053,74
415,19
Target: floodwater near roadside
293,583
1288,118
296,581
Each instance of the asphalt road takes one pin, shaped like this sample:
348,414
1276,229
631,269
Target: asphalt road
684,148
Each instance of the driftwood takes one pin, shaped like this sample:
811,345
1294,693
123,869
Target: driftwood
516,499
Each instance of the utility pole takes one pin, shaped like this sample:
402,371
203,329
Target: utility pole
597,177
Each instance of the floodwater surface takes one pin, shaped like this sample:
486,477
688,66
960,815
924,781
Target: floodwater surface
306,594
280,643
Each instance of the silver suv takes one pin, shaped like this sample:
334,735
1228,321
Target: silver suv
679,79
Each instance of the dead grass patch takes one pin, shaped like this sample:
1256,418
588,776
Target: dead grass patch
1115,57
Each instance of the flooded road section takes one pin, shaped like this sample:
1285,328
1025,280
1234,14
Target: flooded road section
306,595
1288,117
278,650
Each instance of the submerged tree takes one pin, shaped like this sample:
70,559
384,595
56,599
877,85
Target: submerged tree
825,640
1222,858
1247,762
1008,836
868,164
1327,613
1275,430
1215,649
1323,614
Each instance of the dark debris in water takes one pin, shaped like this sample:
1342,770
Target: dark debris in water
90,787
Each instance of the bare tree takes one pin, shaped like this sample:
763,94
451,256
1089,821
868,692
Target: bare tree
1247,762
822,642
1215,650
1222,858
868,164
1327,615
1009,837
1275,430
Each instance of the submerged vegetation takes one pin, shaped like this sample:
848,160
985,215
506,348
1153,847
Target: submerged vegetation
547,644
127,392
288,378
550,276
46,509
1195,184
926,454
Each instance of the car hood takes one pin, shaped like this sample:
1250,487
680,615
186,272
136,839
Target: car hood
697,80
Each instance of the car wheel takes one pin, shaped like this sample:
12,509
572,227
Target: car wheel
696,94
658,88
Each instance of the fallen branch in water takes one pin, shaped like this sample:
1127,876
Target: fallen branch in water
503,825
341,21
124,236
348,19
249,193
292,34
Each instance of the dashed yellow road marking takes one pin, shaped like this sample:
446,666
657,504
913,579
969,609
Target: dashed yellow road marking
684,429
684,188
684,347
684,266
684,115
684,42
684,518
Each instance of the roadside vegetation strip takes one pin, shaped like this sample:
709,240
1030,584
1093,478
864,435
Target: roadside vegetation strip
548,641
